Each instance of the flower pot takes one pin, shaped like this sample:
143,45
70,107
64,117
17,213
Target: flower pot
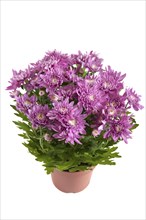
71,182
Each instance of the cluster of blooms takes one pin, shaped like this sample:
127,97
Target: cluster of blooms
82,94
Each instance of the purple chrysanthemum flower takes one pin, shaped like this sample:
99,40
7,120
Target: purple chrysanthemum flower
14,94
37,68
52,79
68,121
35,82
25,102
110,80
51,60
55,59
87,81
38,116
18,79
66,91
89,62
54,97
114,106
133,99
119,128
60,109
97,123
91,98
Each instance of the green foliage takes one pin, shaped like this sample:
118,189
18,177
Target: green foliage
67,157
135,125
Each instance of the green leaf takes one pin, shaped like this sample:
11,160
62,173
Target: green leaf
19,114
22,125
49,169
24,135
134,126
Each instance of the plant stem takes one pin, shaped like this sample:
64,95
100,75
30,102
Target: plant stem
41,142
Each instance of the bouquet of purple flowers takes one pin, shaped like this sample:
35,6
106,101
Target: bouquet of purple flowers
72,110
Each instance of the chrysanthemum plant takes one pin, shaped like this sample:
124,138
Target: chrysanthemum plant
72,111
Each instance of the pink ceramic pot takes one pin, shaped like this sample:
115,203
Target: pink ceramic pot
71,182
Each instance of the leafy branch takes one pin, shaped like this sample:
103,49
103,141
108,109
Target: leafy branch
56,154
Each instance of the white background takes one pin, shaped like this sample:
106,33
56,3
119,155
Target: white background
115,30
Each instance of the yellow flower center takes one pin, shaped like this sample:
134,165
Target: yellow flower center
72,122
118,128
63,110
40,116
94,66
54,97
91,97
95,132
111,111
106,85
54,80
27,102
41,92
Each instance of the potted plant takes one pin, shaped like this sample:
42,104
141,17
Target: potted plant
72,114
